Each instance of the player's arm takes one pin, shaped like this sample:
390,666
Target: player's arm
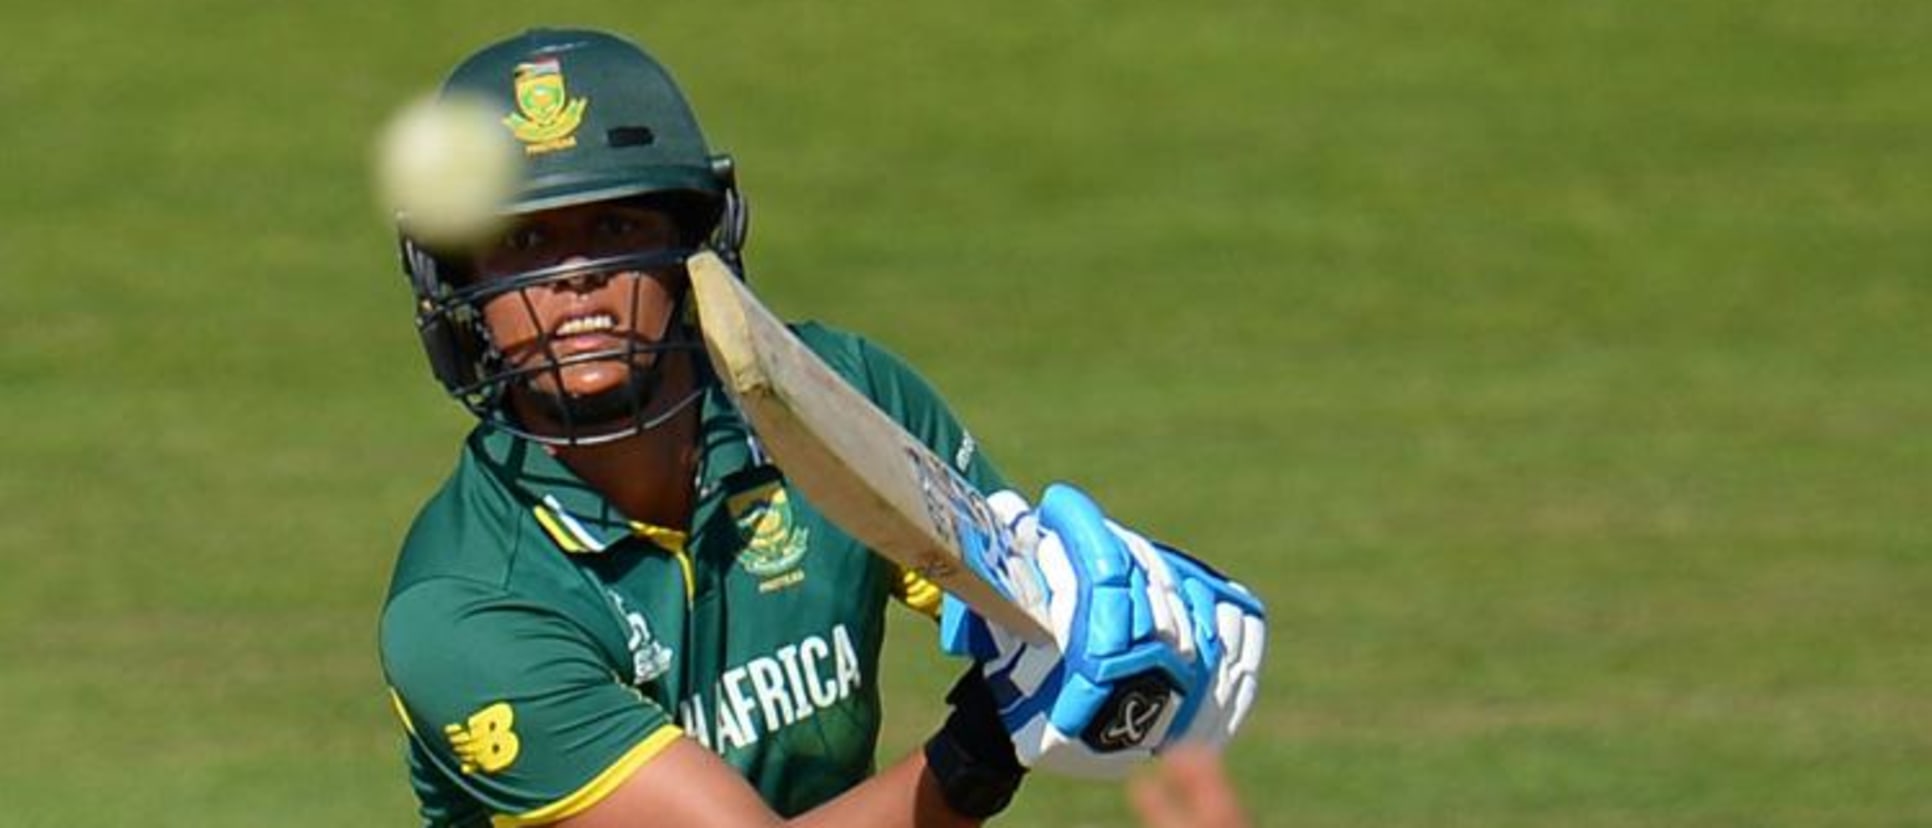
516,720
970,768
1021,704
687,785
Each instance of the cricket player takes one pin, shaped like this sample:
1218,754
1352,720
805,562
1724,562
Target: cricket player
617,612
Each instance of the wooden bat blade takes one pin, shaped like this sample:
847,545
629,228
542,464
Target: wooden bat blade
856,465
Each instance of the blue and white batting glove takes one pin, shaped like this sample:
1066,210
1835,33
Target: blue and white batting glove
1151,646
1230,631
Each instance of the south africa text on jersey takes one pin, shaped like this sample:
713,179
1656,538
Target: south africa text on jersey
769,692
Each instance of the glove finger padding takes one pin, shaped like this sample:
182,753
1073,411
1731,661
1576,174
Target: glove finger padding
1117,635
1230,625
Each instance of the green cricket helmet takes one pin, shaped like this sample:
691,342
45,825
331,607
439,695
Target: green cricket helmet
597,119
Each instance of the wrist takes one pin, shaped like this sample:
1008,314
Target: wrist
971,757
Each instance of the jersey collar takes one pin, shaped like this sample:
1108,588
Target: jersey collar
575,516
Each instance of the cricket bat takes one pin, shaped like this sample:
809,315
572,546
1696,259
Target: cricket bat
856,465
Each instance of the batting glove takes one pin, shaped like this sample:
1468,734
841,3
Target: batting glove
1151,647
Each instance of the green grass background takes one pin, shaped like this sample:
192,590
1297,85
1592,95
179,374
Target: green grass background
1558,371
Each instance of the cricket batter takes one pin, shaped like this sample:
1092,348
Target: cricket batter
616,612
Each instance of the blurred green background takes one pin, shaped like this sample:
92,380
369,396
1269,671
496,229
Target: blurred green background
1559,372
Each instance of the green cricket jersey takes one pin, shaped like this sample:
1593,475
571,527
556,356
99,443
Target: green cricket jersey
541,646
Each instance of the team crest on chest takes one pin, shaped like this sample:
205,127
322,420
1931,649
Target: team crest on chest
547,117
774,543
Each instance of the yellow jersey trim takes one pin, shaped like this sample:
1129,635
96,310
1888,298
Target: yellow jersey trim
672,540
597,788
664,536
919,594
395,701
690,579
572,539
556,531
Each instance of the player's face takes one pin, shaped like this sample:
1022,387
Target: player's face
619,314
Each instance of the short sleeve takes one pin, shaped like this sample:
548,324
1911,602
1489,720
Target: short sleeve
511,704
909,398
899,389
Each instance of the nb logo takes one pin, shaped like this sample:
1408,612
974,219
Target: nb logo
485,742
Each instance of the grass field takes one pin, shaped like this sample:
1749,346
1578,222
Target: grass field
1559,372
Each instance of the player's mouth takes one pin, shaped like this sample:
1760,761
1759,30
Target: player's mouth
591,331
579,325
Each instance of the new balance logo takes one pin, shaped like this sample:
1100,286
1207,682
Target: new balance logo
486,742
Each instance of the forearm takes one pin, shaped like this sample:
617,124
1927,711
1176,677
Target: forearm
905,794
964,773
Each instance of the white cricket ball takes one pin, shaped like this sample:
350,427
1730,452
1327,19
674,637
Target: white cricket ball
446,168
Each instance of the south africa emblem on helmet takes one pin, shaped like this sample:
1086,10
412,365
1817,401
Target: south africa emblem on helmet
547,117
774,542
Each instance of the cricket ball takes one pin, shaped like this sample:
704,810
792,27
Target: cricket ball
446,167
